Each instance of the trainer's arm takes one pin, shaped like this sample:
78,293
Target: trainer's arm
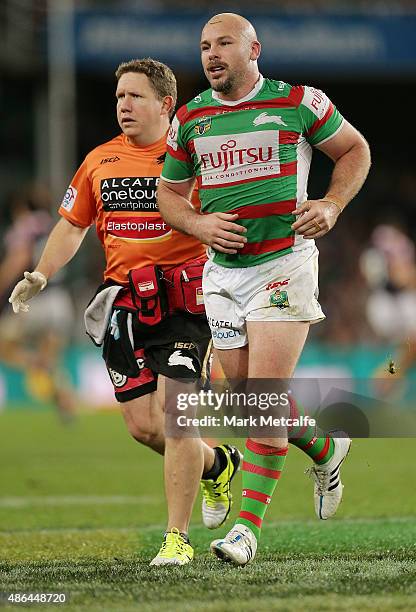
217,230
351,156
63,243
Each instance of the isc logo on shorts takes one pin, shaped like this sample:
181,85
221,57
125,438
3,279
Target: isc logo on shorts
184,345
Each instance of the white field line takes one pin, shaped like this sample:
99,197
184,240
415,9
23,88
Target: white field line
159,526
76,500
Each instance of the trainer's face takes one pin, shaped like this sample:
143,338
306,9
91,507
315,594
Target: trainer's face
226,56
138,108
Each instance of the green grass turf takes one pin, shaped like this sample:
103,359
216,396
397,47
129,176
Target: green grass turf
82,511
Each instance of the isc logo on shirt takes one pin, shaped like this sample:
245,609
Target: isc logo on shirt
69,198
238,157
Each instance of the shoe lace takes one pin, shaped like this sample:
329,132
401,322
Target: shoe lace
173,544
321,477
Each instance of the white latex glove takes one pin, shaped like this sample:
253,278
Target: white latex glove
26,289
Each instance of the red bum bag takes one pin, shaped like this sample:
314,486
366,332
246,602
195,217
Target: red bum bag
184,287
153,294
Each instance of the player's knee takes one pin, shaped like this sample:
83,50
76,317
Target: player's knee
144,433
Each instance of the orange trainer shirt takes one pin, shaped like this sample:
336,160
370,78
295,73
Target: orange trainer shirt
115,187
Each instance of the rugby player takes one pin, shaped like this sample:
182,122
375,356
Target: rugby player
115,189
249,140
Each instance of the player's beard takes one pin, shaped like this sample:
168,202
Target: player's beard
225,86
230,83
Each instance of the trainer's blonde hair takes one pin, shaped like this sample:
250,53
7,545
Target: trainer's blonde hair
161,77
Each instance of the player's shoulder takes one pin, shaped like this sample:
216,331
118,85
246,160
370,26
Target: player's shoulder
315,100
299,95
280,89
106,151
201,100
195,104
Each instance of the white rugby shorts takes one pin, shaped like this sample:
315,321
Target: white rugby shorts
284,289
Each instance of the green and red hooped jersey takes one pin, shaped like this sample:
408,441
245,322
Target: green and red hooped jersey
252,156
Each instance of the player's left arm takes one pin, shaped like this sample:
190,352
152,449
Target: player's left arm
350,153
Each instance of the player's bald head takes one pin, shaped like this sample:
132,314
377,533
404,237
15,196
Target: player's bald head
229,53
233,24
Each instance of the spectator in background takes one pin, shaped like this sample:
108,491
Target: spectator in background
389,266
35,343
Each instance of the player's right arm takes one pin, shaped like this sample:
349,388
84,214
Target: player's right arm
217,230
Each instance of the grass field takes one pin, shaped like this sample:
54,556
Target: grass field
82,511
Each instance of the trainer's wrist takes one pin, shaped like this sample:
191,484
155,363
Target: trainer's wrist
41,278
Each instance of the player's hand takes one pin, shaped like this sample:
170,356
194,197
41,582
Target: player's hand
26,289
315,218
219,231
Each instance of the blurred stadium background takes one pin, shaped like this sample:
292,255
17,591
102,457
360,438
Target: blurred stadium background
73,498
56,95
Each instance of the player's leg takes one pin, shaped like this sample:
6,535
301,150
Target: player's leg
291,293
264,457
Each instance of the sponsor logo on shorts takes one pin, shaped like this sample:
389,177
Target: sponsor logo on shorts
119,380
138,228
184,345
129,193
69,198
219,323
277,284
279,299
225,334
178,359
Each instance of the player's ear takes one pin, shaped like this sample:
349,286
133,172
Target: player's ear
168,104
255,50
